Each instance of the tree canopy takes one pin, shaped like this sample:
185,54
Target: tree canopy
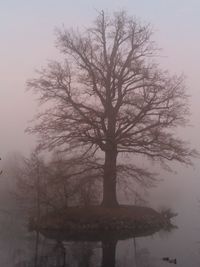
109,96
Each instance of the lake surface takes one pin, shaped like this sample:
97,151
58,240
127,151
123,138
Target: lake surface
20,248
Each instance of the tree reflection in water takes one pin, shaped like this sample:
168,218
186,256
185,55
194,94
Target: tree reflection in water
63,253
142,257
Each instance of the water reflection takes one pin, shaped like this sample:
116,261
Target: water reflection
63,253
142,256
20,248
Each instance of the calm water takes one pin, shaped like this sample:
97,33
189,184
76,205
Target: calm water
20,248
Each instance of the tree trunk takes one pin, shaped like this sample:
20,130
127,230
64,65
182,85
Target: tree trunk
108,253
109,179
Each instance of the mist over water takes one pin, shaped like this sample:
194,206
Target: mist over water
18,245
27,43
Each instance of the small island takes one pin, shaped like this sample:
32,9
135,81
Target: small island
97,223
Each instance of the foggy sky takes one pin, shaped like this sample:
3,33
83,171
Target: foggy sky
28,41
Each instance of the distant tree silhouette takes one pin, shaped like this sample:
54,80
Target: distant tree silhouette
52,185
1,170
110,97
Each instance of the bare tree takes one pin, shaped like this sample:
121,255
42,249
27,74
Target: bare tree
30,174
52,185
1,170
73,180
109,95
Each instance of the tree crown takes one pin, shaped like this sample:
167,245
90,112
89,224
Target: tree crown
109,93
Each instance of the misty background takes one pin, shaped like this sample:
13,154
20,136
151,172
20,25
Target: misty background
27,30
